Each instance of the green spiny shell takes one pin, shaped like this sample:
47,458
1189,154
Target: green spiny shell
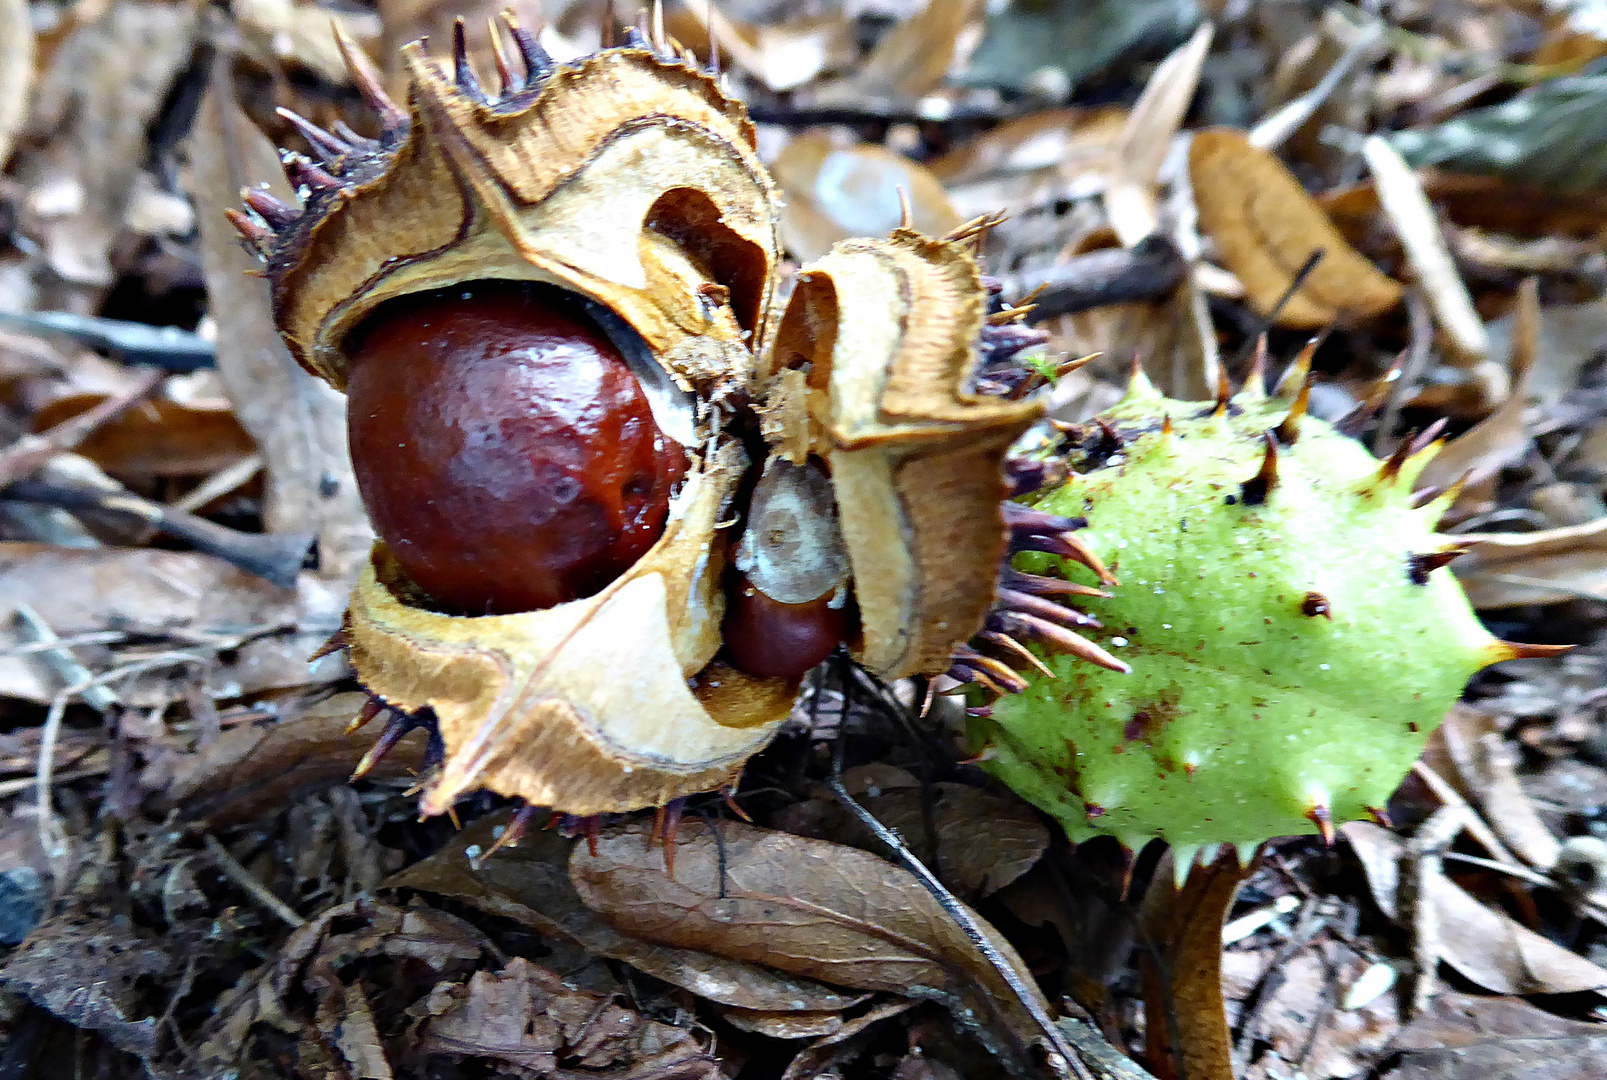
1288,657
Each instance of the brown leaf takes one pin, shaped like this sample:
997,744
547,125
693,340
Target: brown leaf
253,770
299,423
1485,775
983,840
785,1025
1481,451
1463,1037
1546,567
160,437
836,190
803,906
1183,973
914,57
87,969
1265,227
16,71
191,598
524,1015
1483,945
529,884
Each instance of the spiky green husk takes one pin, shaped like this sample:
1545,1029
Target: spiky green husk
1287,663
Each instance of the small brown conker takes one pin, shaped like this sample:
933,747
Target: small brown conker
505,451
768,639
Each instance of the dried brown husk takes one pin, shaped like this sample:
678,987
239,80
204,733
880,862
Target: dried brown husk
630,180
888,332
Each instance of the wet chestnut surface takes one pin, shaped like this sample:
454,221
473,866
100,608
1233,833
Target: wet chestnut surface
504,450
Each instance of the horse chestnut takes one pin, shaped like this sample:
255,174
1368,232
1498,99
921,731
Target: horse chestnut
786,602
505,451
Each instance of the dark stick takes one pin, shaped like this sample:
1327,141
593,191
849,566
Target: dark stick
1151,269
275,557
946,900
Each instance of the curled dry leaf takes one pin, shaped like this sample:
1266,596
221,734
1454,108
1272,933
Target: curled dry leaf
299,425
1408,210
836,190
529,884
1265,227
1510,569
1482,944
1484,773
805,907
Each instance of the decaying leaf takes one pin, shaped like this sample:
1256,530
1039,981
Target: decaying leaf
1484,773
1408,210
524,1015
802,906
983,840
915,56
1483,945
530,884
1266,227
1509,569
160,437
1464,1037
299,424
1182,968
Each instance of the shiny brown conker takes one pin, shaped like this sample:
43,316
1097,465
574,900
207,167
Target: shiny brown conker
506,453
772,640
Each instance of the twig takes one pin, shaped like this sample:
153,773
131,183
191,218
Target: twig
1151,269
231,869
1475,825
31,451
1054,1039
275,557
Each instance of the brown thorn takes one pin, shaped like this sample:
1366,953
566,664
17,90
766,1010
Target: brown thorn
906,215
656,833
366,77
593,824
966,673
499,56
729,794
1426,495
1391,469
303,170
1419,567
1289,430
1166,426
1005,641
1224,391
1045,608
371,708
1429,437
714,43
1320,816
467,80
1048,634
396,728
659,44
537,60
1039,585
337,641
1379,816
997,670
1256,490
610,36
250,229
277,213
1299,370
323,143
514,831
1258,363
452,816
1314,604
1515,650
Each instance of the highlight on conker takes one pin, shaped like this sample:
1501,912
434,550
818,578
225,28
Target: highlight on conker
506,452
